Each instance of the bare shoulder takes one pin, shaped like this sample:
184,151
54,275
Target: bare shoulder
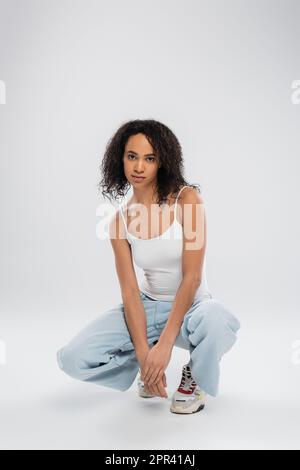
190,196
117,230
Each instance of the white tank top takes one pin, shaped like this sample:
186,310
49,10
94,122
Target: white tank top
161,260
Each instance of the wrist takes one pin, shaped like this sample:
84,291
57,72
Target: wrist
166,341
141,351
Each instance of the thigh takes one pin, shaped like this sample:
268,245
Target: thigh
108,333
208,316
210,312
162,314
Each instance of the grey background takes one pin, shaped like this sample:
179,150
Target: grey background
219,74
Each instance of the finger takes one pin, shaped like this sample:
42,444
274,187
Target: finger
165,380
158,387
163,392
148,375
147,388
144,373
159,390
159,376
154,376
151,389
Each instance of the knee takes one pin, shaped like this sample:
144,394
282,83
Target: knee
213,319
219,318
67,361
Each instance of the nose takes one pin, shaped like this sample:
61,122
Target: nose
139,169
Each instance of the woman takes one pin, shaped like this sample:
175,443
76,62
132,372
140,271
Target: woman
173,306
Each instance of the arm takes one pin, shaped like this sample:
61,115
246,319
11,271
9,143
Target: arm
133,306
194,244
192,261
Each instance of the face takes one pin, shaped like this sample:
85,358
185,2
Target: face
140,160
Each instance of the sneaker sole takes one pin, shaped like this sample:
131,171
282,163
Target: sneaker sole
141,394
185,411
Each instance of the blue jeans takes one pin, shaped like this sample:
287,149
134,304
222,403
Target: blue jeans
103,353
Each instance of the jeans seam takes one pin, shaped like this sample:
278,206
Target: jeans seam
155,315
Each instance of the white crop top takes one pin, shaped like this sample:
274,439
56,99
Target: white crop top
161,260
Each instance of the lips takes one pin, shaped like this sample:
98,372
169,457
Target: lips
138,177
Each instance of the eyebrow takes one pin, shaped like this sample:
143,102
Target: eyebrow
147,155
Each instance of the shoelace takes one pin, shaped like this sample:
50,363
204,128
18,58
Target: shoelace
187,384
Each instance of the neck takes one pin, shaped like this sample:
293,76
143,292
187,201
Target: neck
146,196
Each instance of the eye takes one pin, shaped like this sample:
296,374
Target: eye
131,155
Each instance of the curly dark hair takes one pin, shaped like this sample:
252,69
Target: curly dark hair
166,146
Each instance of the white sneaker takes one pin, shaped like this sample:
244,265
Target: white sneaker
188,398
141,388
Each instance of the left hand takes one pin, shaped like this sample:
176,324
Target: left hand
156,363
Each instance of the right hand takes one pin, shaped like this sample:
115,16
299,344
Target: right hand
157,389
